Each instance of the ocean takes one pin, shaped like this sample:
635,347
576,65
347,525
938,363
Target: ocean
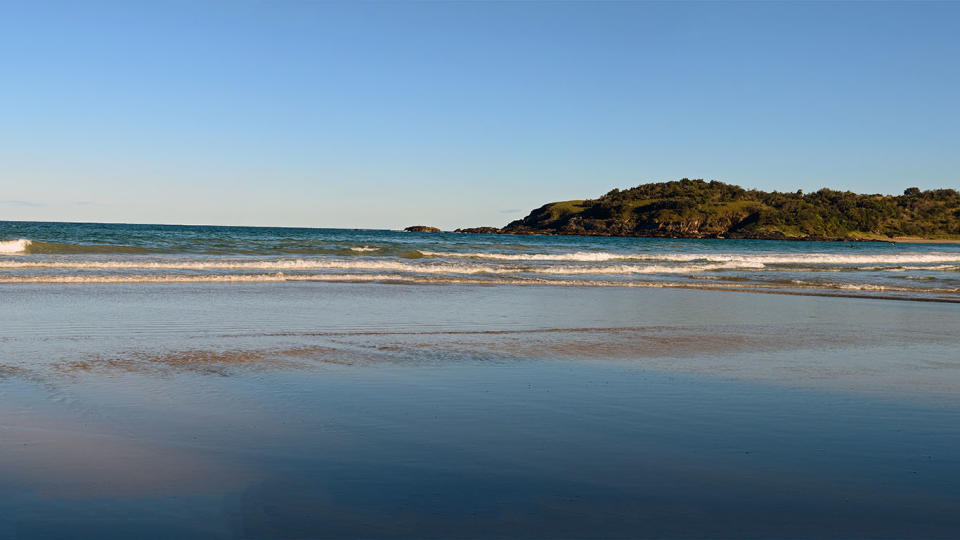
243,382
112,253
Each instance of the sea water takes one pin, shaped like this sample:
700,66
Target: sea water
109,253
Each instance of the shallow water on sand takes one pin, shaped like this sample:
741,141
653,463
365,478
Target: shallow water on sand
306,410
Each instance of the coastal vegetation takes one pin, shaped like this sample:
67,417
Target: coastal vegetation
700,209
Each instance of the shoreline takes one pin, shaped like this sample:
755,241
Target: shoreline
398,281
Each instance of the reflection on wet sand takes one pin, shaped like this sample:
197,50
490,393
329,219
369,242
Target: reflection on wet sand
59,457
812,355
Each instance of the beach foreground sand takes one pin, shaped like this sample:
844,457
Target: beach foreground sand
345,410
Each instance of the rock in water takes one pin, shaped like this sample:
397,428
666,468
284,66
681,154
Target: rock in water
479,230
422,228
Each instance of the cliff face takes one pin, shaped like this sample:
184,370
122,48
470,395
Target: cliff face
699,209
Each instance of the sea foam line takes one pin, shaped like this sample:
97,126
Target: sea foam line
399,278
759,258
376,265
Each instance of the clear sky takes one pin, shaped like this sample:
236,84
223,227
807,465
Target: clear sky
459,114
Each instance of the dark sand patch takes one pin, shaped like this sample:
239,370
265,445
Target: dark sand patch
207,362
807,354
630,342
10,371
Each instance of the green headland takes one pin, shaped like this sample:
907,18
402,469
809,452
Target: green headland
699,209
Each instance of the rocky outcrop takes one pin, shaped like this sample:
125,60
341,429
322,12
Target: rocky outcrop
421,228
479,230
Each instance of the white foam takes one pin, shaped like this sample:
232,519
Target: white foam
756,258
586,256
643,269
802,284
11,247
364,249
868,287
407,279
280,277
375,265
192,278
668,264
937,267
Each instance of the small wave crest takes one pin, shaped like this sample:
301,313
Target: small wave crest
793,287
378,265
37,247
755,258
11,247
585,256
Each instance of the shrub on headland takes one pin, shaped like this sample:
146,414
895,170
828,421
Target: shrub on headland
699,209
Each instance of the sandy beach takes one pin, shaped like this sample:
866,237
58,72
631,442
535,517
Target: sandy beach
375,410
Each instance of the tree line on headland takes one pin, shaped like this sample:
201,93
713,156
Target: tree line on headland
699,209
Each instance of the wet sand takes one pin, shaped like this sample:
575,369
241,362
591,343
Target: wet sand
345,410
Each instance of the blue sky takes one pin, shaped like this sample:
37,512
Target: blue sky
459,114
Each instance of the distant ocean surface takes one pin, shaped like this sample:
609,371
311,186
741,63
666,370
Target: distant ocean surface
33,252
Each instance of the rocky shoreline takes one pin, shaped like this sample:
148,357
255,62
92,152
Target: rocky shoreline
660,234
663,234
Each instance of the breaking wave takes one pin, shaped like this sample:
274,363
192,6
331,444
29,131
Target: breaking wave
755,259
375,265
867,290
36,247
8,247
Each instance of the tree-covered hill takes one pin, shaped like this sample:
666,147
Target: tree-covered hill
699,209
